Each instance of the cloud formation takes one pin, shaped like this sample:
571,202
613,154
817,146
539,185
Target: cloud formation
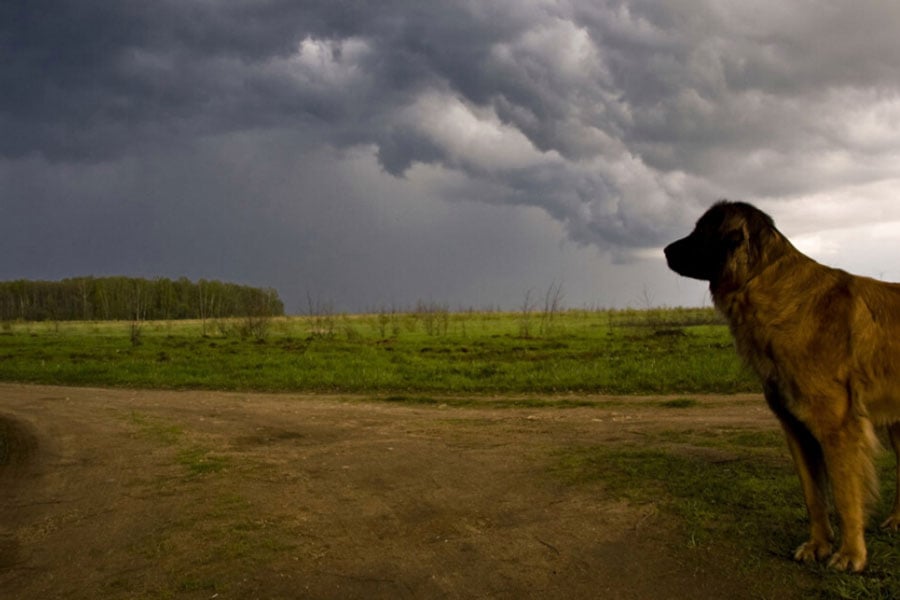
621,120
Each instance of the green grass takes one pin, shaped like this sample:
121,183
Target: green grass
619,352
155,430
199,461
209,545
735,492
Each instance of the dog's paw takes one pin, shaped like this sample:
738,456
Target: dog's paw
844,560
812,551
892,523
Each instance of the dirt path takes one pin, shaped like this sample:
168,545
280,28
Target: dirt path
124,494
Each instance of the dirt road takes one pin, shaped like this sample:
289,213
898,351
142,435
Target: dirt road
156,494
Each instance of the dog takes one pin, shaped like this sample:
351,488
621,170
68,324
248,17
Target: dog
826,347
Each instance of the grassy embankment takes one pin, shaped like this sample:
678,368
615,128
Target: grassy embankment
427,352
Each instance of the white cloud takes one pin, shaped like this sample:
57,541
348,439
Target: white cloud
470,136
323,63
844,207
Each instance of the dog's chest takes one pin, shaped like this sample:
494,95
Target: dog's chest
762,340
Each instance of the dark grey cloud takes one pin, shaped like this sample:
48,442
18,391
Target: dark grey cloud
183,127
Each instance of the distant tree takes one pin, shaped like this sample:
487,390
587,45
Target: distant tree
139,300
126,298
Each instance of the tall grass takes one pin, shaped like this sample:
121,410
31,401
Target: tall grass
426,350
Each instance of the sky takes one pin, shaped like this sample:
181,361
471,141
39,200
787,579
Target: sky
365,155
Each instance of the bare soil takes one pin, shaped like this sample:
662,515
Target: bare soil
159,494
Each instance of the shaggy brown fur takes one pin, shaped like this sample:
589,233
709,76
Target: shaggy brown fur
826,346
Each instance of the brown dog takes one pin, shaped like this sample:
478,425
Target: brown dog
826,346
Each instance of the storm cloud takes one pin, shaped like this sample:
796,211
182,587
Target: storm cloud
327,141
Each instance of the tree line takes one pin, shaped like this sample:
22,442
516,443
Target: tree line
131,298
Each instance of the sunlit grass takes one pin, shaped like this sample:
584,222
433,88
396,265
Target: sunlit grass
626,352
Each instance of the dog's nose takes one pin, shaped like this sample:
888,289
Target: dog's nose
675,255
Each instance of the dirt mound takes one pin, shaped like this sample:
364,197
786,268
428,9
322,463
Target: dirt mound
18,443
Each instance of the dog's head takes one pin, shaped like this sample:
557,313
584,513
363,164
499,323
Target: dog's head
729,243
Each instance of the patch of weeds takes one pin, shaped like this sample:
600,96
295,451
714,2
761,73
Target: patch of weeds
228,505
199,461
748,510
679,403
757,439
232,531
695,485
768,441
156,430
751,505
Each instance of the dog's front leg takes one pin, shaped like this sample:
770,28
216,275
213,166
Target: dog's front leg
810,465
847,448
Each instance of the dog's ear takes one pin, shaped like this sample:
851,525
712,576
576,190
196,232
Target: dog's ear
763,238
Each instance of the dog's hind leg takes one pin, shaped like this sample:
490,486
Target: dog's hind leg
893,520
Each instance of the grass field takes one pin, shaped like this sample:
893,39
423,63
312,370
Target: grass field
429,351
731,491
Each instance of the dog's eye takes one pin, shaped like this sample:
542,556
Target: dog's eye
735,238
